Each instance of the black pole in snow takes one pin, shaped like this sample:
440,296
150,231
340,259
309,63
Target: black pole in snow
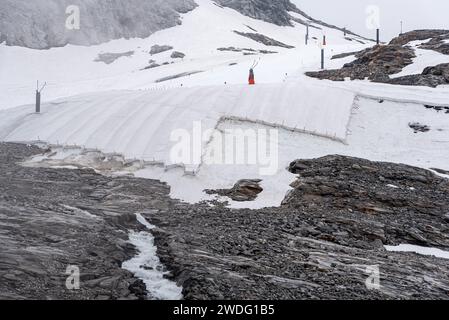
378,36
307,34
38,96
38,101
322,59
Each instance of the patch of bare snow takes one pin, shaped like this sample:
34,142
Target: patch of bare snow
438,253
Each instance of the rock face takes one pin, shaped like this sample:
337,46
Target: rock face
372,188
243,190
52,219
277,12
274,11
41,24
323,241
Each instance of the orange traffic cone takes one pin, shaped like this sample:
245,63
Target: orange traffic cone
251,79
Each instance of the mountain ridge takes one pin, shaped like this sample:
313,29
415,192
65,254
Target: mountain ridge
41,24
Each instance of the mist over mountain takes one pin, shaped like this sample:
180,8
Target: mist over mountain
415,14
41,24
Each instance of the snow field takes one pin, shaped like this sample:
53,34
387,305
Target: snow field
377,131
438,253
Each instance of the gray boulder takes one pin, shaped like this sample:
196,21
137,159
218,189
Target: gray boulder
177,55
243,190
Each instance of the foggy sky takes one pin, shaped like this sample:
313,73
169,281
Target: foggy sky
415,14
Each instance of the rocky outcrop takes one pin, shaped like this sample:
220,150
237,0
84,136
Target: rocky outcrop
177,55
375,188
375,63
263,39
430,77
323,241
246,51
41,24
418,127
243,190
344,55
439,44
416,35
109,58
152,65
380,62
159,49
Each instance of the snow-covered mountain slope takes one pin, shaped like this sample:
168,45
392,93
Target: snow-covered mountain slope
73,70
41,24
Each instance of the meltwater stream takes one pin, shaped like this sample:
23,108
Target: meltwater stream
147,266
